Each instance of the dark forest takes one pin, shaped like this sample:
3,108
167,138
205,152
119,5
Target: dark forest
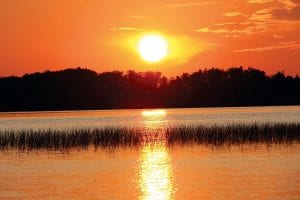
85,89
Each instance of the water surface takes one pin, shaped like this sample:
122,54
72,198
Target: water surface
136,118
154,171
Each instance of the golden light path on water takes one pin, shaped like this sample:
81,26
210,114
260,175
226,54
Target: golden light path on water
155,173
155,169
158,114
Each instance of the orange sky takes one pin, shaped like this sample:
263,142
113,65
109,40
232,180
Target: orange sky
56,34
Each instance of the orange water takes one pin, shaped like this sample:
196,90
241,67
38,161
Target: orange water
139,117
153,172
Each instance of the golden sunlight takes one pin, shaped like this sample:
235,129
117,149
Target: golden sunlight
154,113
153,48
155,173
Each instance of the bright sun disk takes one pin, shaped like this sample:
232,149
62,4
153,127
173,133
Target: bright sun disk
153,48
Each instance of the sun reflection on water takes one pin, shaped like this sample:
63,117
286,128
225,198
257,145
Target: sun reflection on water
155,174
154,113
154,122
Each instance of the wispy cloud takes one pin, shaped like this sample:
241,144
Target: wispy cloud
292,14
284,9
262,15
189,4
234,29
126,28
289,4
277,36
259,1
232,14
135,16
282,45
280,15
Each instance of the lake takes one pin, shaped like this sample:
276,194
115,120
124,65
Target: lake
142,118
156,171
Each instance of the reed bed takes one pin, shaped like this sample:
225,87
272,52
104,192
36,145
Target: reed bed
112,137
235,134
66,139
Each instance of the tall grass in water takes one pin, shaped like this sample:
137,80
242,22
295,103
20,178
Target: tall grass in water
113,137
66,139
235,134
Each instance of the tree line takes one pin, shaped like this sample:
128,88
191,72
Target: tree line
85,89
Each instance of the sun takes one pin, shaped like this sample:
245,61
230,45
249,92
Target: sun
153,48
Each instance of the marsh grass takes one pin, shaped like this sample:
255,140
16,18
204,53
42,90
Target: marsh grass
235,134
215,135
66,139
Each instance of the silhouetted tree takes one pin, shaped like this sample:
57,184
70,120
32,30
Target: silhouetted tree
85,89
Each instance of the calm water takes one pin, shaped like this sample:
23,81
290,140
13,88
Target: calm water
142,118
152,172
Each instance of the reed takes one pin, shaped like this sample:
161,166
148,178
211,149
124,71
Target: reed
123,136
66,139
235,134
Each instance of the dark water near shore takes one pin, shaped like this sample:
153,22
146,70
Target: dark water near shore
152,171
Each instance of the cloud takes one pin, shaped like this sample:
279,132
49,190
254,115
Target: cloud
277,36
234,29
125,28
262,15
190,4
289,4
281,45
135,16
282,15
232,14
270,16
293,14
259,1
284,9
